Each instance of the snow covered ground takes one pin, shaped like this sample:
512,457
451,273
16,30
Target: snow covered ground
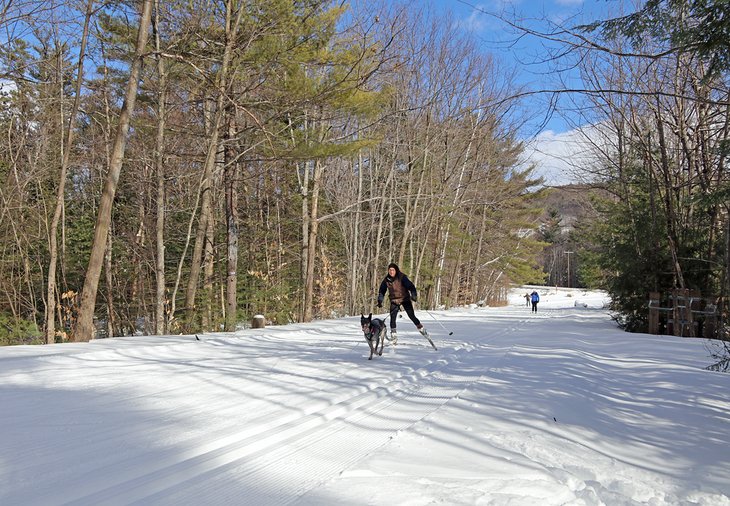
554,408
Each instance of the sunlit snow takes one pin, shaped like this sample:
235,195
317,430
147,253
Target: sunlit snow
554,408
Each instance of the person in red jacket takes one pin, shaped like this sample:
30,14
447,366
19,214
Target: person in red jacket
402,293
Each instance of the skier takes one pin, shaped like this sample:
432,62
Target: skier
527,299
402,292
535,299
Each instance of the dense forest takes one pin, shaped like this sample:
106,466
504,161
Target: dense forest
178,167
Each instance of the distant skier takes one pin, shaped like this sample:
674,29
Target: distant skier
527,299
535,298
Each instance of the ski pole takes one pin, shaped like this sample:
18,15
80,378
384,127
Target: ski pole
442,326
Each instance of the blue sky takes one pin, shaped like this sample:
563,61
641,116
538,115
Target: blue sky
528,53
554,143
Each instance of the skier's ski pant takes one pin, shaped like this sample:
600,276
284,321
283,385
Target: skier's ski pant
408,308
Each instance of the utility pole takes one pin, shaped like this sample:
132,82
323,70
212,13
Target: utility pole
568,253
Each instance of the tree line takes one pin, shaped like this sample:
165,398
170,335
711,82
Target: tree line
650,89
180,166
656,96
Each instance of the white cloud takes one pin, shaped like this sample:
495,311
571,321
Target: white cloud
474,23
475,19
560,158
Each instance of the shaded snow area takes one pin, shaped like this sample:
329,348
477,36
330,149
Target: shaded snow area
554,408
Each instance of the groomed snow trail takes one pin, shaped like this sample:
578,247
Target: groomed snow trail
514,408
219,424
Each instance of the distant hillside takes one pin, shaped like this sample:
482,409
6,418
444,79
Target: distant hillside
565,208
572,203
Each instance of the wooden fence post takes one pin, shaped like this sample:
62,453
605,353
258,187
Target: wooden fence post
654,298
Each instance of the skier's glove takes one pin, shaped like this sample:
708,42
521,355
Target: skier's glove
414,297
380,302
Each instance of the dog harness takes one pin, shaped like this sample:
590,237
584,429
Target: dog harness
374,330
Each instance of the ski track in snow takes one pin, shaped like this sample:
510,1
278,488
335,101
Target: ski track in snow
221,425
271,457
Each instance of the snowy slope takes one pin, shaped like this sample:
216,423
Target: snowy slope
558,407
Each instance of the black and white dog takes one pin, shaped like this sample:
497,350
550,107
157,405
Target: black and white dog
375,333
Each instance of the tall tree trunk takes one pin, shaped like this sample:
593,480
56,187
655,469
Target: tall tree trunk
312,242
188,235
457,198
477,258
85,323
111,319
160,305
230,182
725,289
413,202
457,286
385,207
109,280
208,277
669,203
205,217
355,262
210,160
306,224
60,195
138,292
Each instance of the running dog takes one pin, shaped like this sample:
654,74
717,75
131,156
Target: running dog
375,333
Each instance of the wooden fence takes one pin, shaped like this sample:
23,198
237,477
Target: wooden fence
683,312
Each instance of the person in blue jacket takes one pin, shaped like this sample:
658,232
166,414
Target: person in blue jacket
535,298
402,293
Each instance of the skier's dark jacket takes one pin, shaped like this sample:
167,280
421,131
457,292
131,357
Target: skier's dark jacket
399,287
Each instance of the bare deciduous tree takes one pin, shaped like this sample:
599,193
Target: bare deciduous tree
85,325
